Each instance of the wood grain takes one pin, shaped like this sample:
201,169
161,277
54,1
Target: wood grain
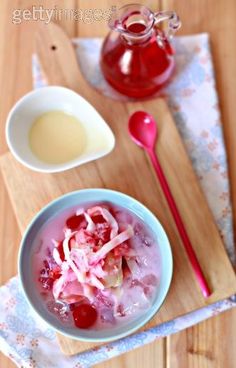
218,18
151,356
25,187
209,345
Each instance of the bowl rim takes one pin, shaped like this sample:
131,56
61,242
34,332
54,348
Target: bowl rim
83,338
57,167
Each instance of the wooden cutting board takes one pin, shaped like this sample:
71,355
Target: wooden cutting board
127,169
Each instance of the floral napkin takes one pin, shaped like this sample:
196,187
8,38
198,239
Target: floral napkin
192,99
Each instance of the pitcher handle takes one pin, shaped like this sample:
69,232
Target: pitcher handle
173,25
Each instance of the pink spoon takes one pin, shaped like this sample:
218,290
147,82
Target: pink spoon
143,131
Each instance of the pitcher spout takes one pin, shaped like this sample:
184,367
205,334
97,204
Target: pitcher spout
124,19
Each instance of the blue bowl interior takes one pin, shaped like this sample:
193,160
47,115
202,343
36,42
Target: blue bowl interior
77,198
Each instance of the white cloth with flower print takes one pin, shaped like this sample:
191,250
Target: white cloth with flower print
192,98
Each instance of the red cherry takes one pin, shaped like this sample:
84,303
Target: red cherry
84,315
74,222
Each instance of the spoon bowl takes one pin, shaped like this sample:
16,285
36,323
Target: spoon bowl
143,129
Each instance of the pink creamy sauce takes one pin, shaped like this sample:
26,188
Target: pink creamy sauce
118,287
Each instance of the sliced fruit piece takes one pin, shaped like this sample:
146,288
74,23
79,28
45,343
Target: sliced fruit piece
120,238
113,268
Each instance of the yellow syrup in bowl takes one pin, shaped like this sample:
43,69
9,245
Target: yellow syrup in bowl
57,137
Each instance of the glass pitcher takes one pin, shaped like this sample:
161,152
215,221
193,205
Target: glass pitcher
137,58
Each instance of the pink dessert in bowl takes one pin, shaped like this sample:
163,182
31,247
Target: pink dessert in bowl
97,267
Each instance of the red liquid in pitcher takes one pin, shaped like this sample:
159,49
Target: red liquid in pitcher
137,68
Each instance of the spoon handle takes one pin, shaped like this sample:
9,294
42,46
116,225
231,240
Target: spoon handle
179,223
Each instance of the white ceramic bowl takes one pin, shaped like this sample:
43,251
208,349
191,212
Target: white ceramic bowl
52,98
79,198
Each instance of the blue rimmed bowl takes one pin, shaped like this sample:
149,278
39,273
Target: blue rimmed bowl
77,198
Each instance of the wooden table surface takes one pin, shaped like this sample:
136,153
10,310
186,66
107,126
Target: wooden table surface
211,343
